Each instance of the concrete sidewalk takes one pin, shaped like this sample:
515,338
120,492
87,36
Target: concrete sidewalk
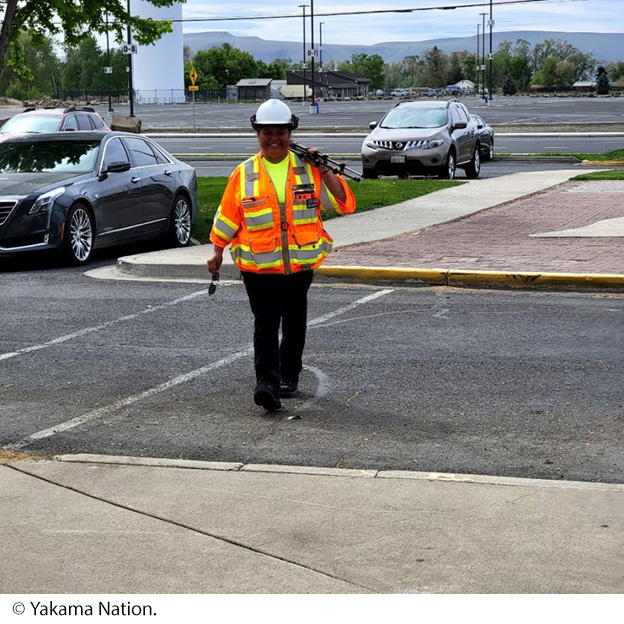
530,237
94,524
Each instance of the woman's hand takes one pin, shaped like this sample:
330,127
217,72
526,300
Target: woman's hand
214,263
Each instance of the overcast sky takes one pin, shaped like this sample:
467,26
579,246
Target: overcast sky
606,16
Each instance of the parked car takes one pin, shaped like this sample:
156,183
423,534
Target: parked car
486,138
54,120
78,191
416,138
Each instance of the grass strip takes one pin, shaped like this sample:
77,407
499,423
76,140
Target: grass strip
369,194
610,174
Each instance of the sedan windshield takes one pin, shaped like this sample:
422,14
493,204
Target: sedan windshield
49,156
415,118
33,123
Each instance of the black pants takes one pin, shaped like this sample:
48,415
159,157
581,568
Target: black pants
275,299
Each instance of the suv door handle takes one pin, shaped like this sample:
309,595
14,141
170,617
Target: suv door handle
135,180
168,172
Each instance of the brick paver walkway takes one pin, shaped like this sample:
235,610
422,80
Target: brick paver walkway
498,239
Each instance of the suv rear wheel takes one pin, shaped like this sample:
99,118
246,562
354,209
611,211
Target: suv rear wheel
474,166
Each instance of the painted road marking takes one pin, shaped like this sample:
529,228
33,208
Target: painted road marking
90,330
102,412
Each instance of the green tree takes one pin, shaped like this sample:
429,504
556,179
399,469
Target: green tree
602,81
276,70
370,65
458,68
73,20
84,67
394,75
224,65
509,86
43,80
437,67
616,71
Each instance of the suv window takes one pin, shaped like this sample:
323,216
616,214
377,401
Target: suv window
141,152
408,117
115,152
32,123
457,115
96,121
71,123
84,122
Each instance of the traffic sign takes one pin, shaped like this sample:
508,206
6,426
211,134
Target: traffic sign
312,52
193,76
194,88
108,70
129,48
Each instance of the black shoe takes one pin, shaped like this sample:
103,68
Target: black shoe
267,397
288,389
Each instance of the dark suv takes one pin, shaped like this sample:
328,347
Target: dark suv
423,138
55,120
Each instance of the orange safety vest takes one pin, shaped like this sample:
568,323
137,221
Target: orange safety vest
269,237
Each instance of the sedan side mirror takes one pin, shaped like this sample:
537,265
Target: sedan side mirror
118,167
372,125
460,125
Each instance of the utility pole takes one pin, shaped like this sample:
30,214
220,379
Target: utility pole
130,85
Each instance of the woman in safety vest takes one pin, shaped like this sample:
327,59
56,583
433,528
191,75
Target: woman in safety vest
270,216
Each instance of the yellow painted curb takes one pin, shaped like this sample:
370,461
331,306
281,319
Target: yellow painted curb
429,276
603,163
450,277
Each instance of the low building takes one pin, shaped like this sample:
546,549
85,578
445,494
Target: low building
254,89
331,83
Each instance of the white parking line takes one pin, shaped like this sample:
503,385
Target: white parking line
172,383
89,330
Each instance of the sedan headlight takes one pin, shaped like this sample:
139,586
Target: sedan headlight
46,201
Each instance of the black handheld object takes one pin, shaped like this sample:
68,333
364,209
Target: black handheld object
213,285
323,160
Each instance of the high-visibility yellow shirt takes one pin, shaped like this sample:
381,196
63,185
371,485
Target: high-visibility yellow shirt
278,172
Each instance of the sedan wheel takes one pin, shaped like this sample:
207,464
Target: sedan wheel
78,242
490,152
180,224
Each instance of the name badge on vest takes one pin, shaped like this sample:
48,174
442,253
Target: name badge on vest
312,203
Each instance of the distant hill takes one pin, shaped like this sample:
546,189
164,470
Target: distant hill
605,47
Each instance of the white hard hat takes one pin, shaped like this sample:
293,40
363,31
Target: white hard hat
274,113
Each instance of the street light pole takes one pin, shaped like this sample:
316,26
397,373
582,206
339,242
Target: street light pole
312,46
483,52
130,85
303,6
491,50
478,60
108,67
321,45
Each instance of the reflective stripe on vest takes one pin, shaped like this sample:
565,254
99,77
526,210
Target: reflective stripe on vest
249,177
328,201
243,256
224,227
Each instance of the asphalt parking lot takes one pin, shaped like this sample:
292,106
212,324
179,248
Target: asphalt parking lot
396,378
